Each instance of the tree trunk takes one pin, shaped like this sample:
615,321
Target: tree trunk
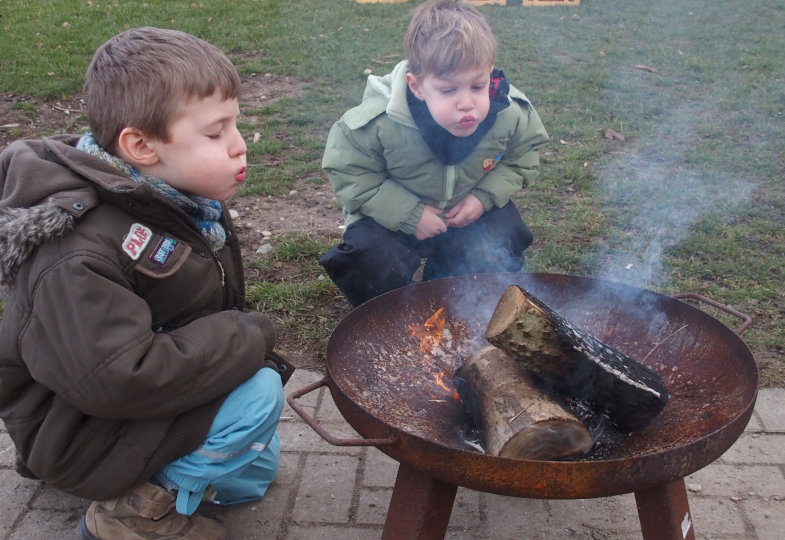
517,419
577,364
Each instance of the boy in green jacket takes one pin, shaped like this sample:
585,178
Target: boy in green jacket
426,165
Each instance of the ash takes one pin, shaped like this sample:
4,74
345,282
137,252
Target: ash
606,437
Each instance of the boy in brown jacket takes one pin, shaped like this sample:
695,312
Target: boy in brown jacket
128,369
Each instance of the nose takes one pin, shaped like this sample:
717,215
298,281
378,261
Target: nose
465,101
237,146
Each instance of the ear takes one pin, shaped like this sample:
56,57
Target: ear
135,148
414,85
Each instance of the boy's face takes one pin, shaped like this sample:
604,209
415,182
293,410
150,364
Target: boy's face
458,102
205,154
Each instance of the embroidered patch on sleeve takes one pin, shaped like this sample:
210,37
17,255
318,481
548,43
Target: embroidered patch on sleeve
163,257
161,253
136,240
488,163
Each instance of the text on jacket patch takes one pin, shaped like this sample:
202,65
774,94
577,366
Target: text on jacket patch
136,240
162,251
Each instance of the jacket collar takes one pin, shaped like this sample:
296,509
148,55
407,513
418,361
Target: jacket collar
398,106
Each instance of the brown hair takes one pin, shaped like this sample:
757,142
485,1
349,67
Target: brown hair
445,36
140,77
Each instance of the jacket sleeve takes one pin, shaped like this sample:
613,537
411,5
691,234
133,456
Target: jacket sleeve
518,166
355,164
89,340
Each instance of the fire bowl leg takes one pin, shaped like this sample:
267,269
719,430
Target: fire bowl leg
420,507
664,512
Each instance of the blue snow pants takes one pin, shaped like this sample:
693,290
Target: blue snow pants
239,459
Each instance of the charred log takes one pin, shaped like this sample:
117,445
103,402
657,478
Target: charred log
516,417
577,364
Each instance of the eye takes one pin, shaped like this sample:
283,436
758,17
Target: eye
447,91
214,136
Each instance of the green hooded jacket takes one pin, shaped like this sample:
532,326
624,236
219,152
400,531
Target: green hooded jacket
380,166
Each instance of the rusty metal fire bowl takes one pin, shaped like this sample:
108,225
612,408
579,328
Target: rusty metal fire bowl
388,388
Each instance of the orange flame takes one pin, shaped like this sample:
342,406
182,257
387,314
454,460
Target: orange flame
430,335
431,332
449,388
440,381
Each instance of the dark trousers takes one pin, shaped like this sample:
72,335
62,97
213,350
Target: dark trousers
372,260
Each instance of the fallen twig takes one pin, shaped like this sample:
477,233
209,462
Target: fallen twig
663,341
66,110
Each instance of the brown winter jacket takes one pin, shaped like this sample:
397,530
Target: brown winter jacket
111,367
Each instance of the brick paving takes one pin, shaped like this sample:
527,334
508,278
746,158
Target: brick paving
330,492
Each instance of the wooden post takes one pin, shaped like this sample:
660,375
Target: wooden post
664,512
420,507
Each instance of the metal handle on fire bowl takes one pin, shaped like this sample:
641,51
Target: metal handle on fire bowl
722,307
320,430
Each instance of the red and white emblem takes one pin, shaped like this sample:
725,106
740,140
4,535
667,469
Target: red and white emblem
136,240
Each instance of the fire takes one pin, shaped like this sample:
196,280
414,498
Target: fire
431,332
430,335
448,387
440,381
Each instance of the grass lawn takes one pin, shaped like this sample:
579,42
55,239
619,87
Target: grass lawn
667,122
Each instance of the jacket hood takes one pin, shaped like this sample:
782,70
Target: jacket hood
390,92
46,185
24,229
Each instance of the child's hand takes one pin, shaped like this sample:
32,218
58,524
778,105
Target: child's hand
431,224
467,211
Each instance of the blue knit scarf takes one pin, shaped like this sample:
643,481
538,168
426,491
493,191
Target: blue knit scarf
206,213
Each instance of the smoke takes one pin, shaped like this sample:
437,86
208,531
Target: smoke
657,196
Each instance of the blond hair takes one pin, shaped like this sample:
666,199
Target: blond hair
140,78
445,36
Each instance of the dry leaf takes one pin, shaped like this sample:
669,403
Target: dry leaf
610,134
645,68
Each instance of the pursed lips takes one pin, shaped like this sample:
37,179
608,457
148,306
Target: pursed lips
466,121
240,176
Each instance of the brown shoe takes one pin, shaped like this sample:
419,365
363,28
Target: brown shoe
146,512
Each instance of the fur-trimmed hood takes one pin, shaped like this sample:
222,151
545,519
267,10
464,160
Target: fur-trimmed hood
46,185
24,229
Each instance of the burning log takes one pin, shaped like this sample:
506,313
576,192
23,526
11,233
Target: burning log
577,365
517,419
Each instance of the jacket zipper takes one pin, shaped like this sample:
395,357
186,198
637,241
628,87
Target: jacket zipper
189,224
223,273
449,188
450,170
